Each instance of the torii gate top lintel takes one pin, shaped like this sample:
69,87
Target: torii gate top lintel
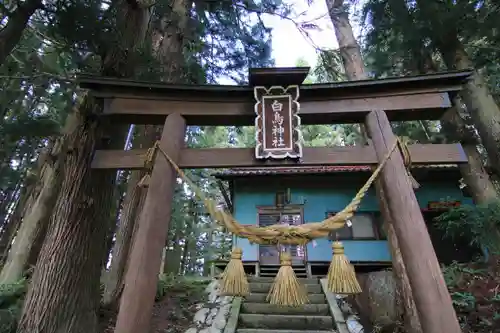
403,98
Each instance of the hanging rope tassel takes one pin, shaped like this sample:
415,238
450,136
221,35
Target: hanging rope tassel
148,166
286,289
405,153
341,276
144,182
234,280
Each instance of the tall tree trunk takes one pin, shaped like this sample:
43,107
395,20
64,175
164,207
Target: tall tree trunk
172,260
37,216
207,262
476,95
348,46
168,44
473,173
355,70
123,242
12,32
11,225
9,197
64,295
169,40
185,252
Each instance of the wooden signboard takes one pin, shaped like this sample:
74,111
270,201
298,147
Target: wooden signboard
277,123
439,205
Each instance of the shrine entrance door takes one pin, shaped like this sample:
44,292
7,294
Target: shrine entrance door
269,254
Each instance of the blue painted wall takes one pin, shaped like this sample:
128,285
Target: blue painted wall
319,200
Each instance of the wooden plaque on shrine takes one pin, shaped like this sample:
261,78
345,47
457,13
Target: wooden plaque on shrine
277,123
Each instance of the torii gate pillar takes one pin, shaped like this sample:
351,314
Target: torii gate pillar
141,278
430,293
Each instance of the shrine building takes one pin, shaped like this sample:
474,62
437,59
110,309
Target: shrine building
296,195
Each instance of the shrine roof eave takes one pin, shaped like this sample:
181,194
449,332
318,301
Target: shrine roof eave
109,87
239,173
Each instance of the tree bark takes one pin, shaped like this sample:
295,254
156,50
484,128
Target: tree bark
355,70
12,32
207,262
36,217
473,172
10,227
172,260
11,223
64,295
121,248
348,46
135,196
183,266
169,39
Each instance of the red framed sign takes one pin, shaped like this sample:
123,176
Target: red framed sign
277,123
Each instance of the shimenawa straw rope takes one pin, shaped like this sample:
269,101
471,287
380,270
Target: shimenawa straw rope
286,289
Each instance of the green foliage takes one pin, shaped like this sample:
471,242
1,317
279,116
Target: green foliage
454,273
464,300
11,300
329,67
189,285
478,224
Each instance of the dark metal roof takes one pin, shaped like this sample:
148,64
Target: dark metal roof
444,81
245,172
280,76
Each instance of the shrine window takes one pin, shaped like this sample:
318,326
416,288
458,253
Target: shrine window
363,226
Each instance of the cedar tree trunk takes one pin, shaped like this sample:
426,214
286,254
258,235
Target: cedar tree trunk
355,70
476,95
64,295
121,248
473,172
36,217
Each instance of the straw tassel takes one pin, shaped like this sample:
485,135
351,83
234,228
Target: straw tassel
144,182
234,280
341,276
405,154
286,289
414,184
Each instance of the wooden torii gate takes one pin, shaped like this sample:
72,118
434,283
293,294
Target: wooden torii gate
372,102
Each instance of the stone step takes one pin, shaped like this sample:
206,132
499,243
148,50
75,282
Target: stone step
264,288
277,268
266,308
285,322
273,275
257,330
262,279
261,298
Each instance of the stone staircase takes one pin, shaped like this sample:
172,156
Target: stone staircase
258,316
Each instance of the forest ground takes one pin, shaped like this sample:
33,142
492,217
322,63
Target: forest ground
177,300
475,290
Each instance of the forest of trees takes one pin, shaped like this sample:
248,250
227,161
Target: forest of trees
66,230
